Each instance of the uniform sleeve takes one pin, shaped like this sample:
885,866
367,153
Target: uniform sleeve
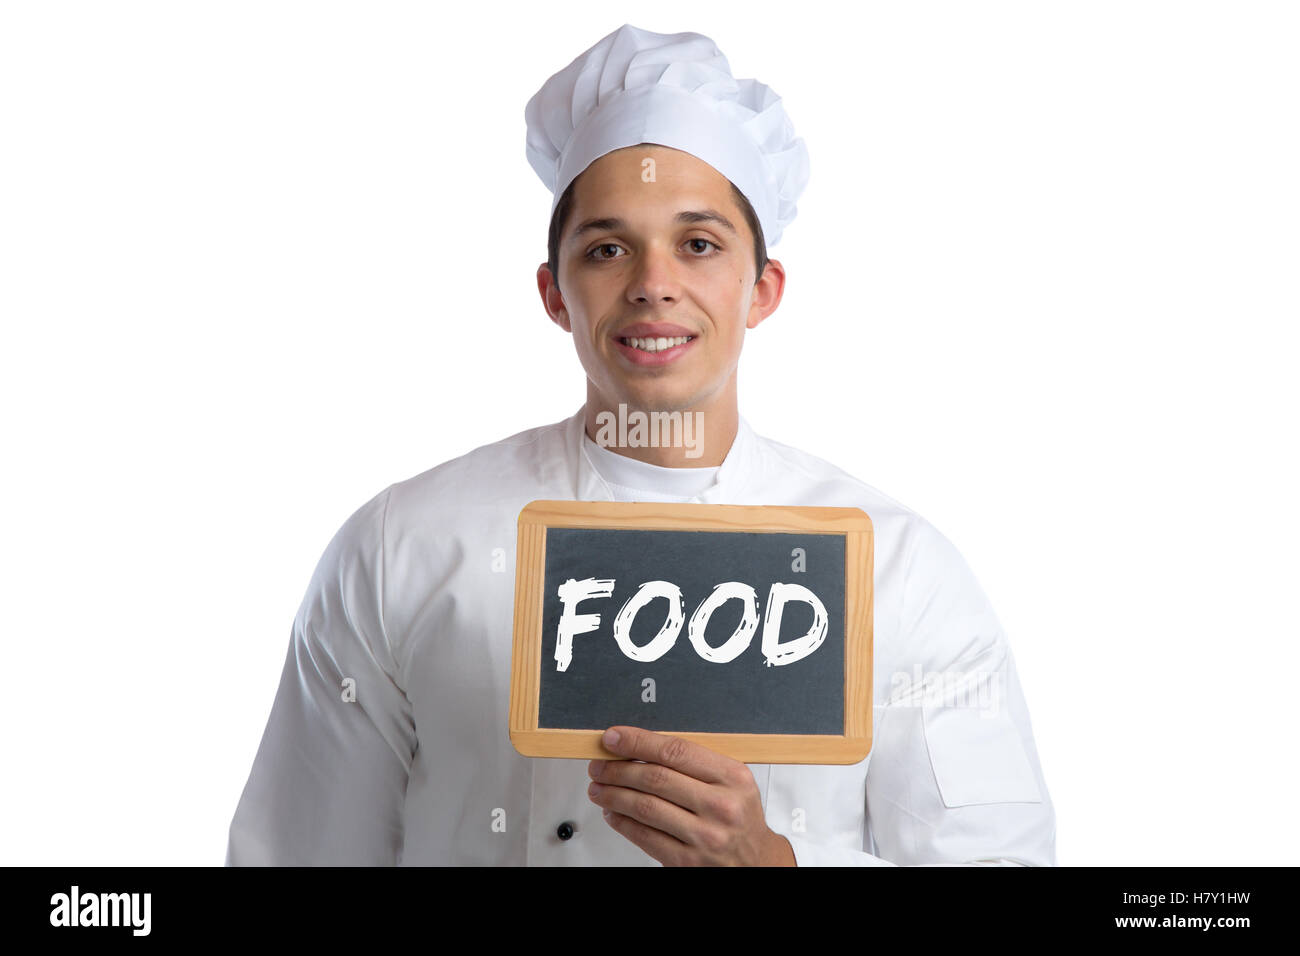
954,777
328,783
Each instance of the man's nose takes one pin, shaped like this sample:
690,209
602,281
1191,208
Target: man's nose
656,278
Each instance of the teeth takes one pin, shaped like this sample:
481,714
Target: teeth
659,344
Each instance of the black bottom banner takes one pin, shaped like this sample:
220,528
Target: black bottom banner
349,905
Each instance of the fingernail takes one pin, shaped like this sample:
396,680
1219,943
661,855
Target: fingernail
595,767
611,738
593,790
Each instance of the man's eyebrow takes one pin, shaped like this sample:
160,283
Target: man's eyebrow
689,216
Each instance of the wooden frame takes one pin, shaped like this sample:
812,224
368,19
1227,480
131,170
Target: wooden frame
851,746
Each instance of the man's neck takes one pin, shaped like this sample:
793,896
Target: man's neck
698,437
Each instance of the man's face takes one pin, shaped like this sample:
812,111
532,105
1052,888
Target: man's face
635,267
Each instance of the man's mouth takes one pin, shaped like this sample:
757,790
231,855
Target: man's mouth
656,344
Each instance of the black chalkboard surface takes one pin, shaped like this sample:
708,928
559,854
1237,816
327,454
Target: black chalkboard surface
745,628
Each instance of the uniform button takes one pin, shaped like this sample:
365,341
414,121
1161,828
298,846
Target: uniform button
564,831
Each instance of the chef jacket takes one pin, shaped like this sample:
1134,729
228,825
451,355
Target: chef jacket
387,741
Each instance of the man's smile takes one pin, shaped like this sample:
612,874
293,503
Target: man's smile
656,345
653,343
654,352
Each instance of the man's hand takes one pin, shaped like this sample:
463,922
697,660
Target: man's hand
685,805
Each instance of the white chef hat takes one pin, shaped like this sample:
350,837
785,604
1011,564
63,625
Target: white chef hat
677,90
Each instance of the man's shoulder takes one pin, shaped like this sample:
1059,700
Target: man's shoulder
488,476
485,477
831,485
529,444
937,574
922,546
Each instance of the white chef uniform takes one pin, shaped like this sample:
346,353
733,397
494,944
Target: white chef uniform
413,601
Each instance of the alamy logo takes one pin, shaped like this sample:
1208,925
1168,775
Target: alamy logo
101,909
637,429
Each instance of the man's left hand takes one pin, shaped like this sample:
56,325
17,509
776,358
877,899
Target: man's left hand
684,805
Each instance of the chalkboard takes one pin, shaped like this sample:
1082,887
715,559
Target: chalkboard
745,628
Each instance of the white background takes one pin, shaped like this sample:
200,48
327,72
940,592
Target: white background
260,260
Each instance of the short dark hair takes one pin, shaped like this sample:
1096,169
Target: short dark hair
560,217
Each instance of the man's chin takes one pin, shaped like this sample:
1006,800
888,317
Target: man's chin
656,402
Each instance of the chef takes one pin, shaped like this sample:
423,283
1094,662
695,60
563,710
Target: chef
387,740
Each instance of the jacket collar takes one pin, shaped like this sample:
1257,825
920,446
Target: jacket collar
738,469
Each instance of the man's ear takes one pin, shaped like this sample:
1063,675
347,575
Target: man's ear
767,293
552,300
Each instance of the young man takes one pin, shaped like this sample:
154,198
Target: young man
387,741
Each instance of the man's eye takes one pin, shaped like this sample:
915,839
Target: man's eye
707,242
595,253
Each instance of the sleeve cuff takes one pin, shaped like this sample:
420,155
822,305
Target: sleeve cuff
807,853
